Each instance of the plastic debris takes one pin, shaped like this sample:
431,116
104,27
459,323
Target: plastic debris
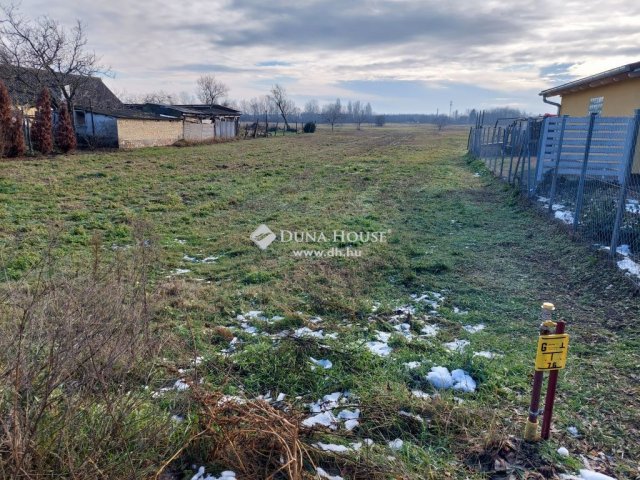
323,474
323,363
474,328
396,444
563,452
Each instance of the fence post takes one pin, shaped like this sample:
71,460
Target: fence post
504,145
583,174
622,199
556,167
469,139
515,140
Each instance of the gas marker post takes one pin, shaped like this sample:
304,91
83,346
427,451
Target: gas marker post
551,356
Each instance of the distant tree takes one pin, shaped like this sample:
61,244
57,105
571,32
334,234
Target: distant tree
332,113
54,55
65,136
282,103
368,113
311,111
16,146
160,97
41,130
358,113
210,90
5,118
349,112
380,120
441,121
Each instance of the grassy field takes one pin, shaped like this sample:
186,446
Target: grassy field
453,233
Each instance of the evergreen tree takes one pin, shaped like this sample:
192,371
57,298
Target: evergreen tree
41,128
5,119
65,136
16,146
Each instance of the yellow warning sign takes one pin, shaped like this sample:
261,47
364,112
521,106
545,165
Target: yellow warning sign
552,352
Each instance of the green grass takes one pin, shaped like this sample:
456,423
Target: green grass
449,231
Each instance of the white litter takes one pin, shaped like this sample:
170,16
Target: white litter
405,330
563,452
323,474
226,475
412,365
630,266
381,349
573,431
328,402
323,363
563,215
457,311
457,345
383,336
404,413
181,242
396,444
474,328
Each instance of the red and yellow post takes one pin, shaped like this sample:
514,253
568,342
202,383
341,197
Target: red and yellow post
551,356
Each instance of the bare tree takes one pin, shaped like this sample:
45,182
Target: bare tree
282,103
210,89
441,121
368,113
311,110
51,55
358,113
332,113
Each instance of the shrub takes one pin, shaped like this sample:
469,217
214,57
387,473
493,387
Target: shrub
65,136
5,118
380,120
15,141
309,127
41,128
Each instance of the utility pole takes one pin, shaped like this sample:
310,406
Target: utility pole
450,107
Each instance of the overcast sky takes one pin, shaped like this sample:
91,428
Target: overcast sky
401,55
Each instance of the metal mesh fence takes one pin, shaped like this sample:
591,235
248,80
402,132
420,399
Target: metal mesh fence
583,170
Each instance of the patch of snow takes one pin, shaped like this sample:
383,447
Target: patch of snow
405,330
457,311
629,266
250,329
474,328
396,444
440,377
351,424
368,442
563,452
332,447
624,250
563,215
328,402
591,475
226,475
404,413
457,345
420,394
179,271
632,206
383,336
458,380
180,385
381,349
177,418
325,419
486,354
476,174
323,474
326,364
181,242
462,381
412,365
573,431
307,332
349,414
375,307
430,330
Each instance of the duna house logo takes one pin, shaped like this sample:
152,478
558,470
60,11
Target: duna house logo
263,237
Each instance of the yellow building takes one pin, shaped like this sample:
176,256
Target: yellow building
614,93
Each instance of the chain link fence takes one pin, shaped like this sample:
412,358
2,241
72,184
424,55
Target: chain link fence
584,171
